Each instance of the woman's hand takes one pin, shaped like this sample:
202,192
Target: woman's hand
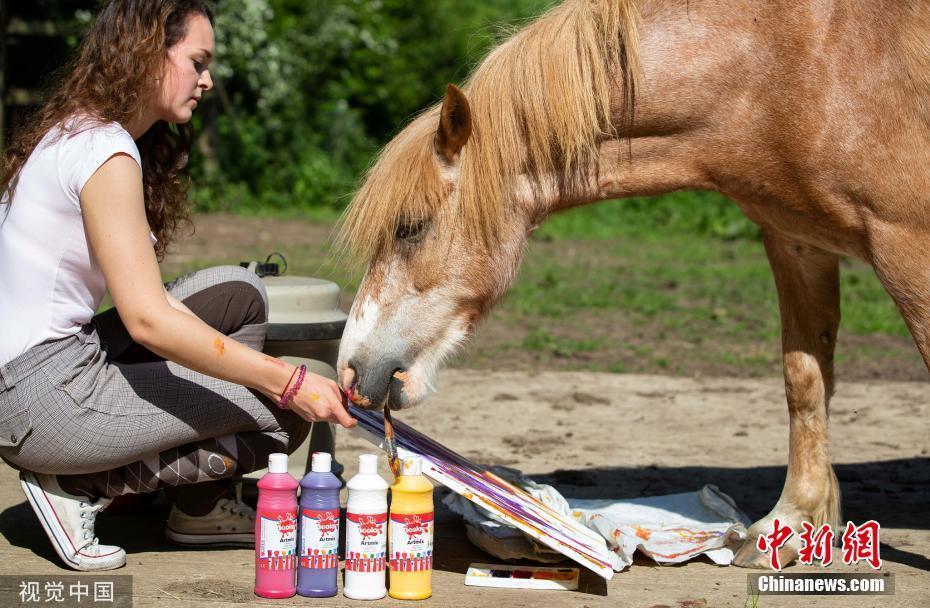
319,398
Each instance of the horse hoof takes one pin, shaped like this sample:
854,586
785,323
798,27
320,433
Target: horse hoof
749,556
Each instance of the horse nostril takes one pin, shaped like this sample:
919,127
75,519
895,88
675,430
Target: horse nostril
370,380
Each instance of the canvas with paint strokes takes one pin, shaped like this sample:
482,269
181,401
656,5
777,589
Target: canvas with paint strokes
488,490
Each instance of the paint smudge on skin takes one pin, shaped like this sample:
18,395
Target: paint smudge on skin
219,346
314,396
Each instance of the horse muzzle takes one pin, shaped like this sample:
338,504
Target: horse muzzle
375,384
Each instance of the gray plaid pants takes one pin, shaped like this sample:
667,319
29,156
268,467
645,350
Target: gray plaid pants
111,418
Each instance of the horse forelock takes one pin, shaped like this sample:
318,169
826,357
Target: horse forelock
540,104
403,182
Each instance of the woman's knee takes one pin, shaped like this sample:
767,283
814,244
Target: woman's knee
209,279
258,294
228,298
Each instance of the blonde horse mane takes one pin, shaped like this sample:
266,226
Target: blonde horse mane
540,104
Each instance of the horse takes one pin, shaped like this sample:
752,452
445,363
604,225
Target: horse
813,116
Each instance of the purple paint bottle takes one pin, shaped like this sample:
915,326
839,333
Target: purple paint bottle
319,529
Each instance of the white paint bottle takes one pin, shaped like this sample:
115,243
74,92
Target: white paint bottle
366,532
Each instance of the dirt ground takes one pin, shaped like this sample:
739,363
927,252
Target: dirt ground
592,435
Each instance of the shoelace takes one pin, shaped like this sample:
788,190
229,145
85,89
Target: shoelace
89,515
236,505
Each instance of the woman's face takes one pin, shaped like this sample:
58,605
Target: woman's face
186,72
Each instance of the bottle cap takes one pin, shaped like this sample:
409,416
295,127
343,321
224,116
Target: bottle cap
321,462
411,466
368,464
277,463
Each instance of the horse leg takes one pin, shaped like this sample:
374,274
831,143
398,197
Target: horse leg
807,280
901,259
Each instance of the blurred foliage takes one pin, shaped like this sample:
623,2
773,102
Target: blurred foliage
307,92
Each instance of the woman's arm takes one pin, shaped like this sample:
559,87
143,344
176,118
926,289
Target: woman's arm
117,230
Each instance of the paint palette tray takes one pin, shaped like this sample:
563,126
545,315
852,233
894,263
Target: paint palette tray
522,577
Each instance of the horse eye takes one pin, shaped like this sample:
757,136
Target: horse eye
409,229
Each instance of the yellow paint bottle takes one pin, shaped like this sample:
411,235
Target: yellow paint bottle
410,533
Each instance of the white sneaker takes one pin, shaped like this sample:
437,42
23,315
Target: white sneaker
231,523
68,521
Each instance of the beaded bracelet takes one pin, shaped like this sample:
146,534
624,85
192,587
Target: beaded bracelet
290,393
289,380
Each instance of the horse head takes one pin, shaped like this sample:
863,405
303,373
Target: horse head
443,215
436,260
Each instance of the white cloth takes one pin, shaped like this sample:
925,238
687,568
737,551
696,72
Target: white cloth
50,281
669,529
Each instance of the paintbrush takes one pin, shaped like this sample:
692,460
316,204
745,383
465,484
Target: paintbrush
390,446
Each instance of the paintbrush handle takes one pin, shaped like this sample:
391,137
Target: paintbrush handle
390,445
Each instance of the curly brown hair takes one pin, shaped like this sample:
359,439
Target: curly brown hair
111,76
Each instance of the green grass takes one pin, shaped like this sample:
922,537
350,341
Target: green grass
682,275
692,251
542,340
696,213
604,289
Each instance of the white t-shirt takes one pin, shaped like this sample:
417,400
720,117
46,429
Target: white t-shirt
50,281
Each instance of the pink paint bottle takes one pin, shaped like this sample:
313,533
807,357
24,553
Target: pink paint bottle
276,531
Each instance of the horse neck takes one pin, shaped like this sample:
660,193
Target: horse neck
691,55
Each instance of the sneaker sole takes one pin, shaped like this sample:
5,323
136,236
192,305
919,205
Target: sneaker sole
243,540
43,509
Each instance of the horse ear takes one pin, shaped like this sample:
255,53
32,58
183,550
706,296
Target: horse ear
454,123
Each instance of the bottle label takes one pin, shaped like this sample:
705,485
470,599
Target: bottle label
319,538
277,548
366,540
411,542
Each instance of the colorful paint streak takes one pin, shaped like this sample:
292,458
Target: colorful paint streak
486,489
